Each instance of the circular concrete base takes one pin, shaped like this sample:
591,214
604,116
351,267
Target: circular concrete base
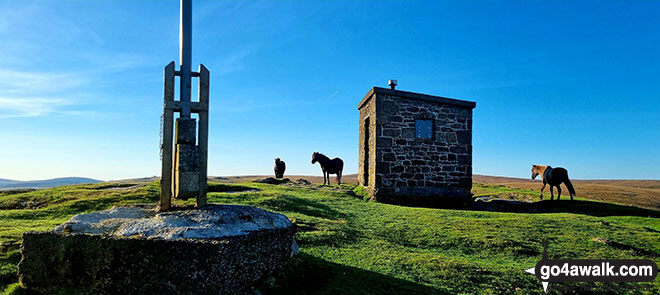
219,249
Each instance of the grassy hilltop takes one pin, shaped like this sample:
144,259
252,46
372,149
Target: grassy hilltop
350,246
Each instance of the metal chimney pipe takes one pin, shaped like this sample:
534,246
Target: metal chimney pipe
392,84
185,56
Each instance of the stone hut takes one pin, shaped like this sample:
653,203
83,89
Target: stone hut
415,149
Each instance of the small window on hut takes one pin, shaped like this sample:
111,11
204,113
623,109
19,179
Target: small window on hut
424,128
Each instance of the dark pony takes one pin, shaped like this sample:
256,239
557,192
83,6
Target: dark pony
553,177
334,166
280,166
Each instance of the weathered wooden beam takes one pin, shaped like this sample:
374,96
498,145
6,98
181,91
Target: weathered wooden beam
203,133
166,144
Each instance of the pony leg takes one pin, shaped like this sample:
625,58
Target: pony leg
339,177
541,196
552,195
558,192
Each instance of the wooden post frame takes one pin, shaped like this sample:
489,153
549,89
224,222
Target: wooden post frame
166,188
203,133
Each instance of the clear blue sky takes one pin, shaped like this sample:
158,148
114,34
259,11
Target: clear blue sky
566,83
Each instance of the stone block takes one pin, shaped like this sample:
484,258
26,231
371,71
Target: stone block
382,167
464,137
459,150
186,131
384,141
395,118
389,157
390,108
451,138
408,133
187,157
464,160
448,168
187,184
391,132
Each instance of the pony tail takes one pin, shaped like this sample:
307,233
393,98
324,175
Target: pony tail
569,185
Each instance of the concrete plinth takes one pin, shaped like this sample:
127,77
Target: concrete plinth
187,184
219,249
186,162
187,157
186,176
186,130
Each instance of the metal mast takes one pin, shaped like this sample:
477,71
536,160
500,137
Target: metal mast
184,143
185,56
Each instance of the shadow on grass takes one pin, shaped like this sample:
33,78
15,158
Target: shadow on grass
335,238
308,207
599,209
594,208
225,188
308,274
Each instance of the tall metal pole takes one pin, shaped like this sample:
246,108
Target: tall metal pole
185,56
184,167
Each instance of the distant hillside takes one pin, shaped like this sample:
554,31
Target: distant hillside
641,193
6,184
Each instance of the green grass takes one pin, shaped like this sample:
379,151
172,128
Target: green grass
349,246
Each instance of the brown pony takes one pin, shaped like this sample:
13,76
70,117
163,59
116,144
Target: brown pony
553,177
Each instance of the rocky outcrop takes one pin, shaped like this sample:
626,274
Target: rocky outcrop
218,249
272,180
